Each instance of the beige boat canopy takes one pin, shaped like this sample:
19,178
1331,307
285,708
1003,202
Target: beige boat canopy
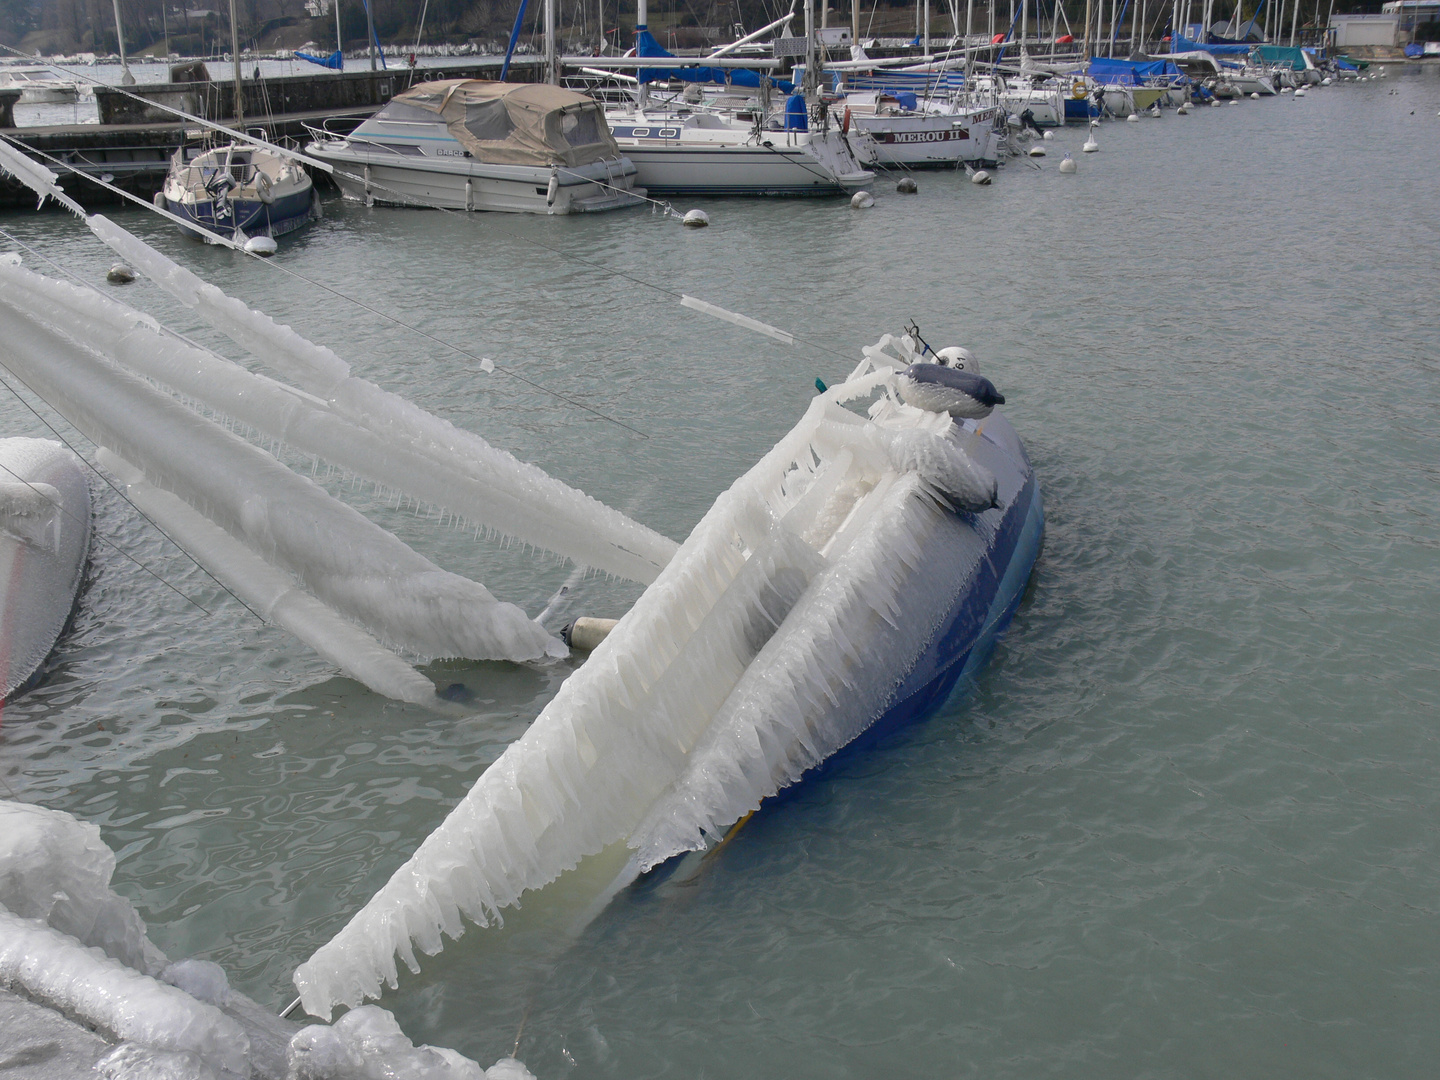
512,123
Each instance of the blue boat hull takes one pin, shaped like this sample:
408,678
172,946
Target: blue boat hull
250,216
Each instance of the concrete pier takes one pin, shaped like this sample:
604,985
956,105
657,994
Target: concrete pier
134,141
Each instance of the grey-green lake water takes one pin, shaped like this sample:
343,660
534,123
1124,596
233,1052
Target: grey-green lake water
1184,825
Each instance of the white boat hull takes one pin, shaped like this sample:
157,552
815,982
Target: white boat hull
471,185
926,140
44,541
775,163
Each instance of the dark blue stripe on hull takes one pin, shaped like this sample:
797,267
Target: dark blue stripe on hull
251,216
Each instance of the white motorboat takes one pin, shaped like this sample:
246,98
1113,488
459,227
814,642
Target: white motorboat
464,144
39,87
902,130
238,190
44,541
1251,80
707,153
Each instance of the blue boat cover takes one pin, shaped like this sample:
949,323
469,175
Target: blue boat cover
1184,44
1345,65
1294,59
335,61
646,45
1130,72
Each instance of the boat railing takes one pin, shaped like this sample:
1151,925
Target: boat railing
326,133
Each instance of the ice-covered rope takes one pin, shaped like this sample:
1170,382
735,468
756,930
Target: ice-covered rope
356,426
8,142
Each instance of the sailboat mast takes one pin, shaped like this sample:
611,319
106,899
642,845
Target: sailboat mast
552,74
339,38
235,52
126,79
1087,31
855,23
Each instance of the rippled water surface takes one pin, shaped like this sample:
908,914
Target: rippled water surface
1184,825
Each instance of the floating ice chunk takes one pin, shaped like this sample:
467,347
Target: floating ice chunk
367,1044
55,969
131,1062
201,979
340,556
555,516
508,1068
56,869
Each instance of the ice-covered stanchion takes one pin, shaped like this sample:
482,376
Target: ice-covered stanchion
466,474
788,622
342,558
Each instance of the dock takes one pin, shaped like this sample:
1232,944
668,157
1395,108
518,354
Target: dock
134,140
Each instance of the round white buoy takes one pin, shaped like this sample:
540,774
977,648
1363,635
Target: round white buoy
980,176
958,357
1323,82
1133,118
1068,165
1286,90
862,200
695,219
261,245
1048,136
120,274
1090,145
1037,151
907,186
1255,96
1183,110
1095,122
1299,93
1233,102
1214,104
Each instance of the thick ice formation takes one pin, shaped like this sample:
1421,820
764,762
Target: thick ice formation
56,868
448,466
36,177
179,1021
57,970
346,561
769,641
271,593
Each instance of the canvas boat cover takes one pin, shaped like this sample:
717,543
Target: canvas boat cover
1283,56
513,123
1131,72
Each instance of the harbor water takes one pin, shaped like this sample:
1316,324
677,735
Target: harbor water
1184,825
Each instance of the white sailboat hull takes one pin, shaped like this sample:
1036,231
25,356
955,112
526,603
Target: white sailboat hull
772,163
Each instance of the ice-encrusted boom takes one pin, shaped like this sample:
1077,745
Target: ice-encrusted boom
782,628
445,465
347,562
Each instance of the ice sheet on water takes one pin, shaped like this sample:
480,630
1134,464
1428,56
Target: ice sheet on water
765,644
446,465
340,556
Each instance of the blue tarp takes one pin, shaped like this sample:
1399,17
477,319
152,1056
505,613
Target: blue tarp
1184,44
335,61
1130,72
646,45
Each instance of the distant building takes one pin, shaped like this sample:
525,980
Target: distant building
1419,19
316,8
1357,31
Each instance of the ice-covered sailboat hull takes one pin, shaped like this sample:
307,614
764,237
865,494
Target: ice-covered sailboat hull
846,583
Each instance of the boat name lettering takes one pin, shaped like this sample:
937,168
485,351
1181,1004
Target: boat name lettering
924,136
442,152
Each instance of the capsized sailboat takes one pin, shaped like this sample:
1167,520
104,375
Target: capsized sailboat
848,581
